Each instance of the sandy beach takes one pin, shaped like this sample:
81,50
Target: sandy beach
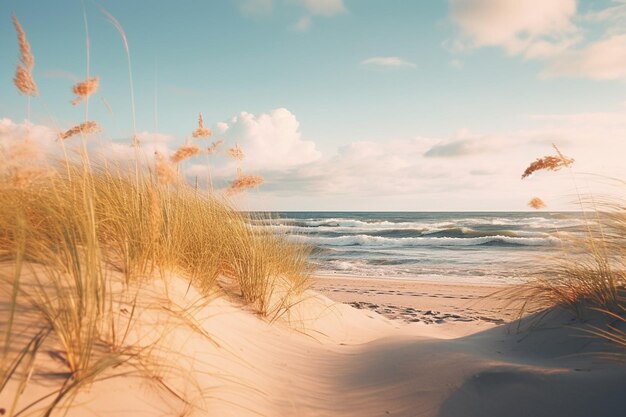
349,347
418,301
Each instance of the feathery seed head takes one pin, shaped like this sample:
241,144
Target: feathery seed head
23,79
84,89
537,203
83,128
236,153
244,182
184,152
201,131
550,163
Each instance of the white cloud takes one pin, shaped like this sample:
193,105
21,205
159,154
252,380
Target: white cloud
271,141
222,127
387,62
323,7
548,30
471,171
513,24
602,60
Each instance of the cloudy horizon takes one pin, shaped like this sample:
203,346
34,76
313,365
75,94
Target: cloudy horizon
348,105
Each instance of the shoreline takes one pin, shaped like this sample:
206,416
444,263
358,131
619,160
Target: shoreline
421,301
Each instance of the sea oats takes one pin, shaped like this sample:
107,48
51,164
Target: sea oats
155,214
83,128
236,153
166,174
184,152
214,146
84,89
244,182
201,131
23,79
550,163
537,203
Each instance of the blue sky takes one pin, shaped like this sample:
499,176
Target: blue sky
340,103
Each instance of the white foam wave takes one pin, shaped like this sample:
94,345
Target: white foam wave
365,240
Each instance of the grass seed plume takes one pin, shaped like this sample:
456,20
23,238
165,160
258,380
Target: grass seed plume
184,152
537,203
23,79
244,182
83,129
236,153
201,131
84,89
549,163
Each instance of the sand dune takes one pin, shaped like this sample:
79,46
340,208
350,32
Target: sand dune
324,358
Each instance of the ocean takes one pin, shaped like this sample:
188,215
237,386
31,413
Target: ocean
498,247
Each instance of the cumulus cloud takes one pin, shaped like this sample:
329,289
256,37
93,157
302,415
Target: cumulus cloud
458,147
513,24
387,62
602,60
549,30
271,141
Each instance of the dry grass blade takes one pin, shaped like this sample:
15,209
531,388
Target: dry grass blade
537,203
201,131
184,152
83,129
166,174
84,89
23,75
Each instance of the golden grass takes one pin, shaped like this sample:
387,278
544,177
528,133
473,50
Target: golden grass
590,271
236,153
165,172
184,152
84,89
550,163
68,228
82,129
201,131
537,203
244,182
23,79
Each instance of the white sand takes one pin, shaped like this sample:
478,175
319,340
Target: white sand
329,359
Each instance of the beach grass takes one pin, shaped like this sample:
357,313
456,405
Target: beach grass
69,228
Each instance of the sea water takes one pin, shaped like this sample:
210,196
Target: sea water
498,247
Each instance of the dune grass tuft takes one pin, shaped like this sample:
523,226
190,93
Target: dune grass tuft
77,237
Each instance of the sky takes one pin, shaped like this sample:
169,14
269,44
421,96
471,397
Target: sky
342,104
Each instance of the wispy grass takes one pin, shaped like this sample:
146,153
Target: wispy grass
589,272
70,226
